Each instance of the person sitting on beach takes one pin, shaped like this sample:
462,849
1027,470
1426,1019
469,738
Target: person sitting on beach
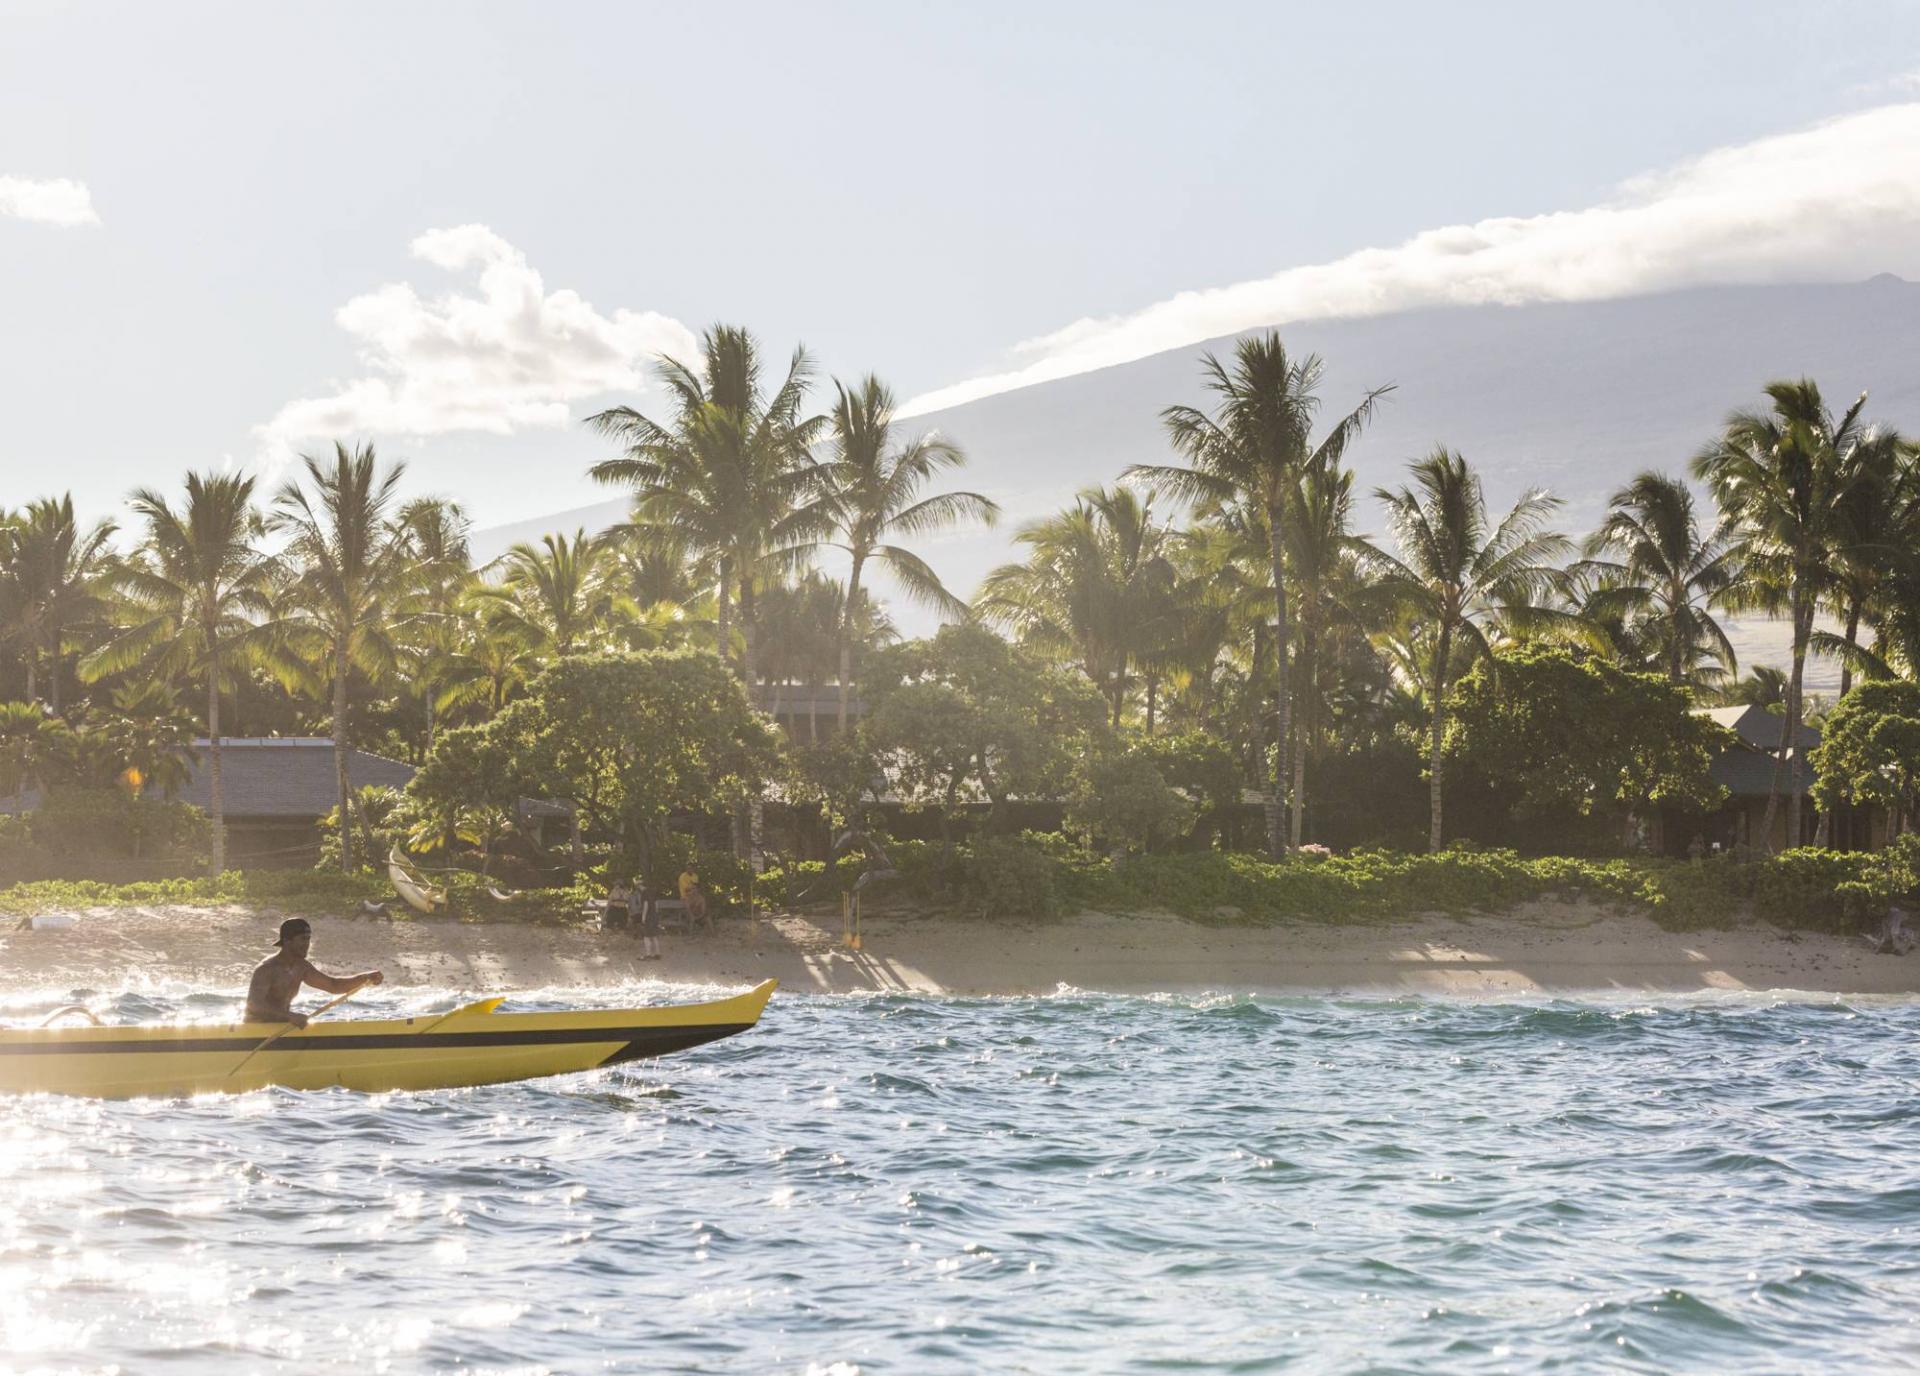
618,912
279,977
693,895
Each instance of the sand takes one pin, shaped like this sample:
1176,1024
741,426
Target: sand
1544,948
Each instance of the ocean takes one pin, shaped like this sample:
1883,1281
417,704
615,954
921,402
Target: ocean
1076,1183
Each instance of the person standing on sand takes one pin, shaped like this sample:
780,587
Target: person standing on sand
279,977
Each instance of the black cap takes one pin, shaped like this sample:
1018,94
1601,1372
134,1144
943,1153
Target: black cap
293,927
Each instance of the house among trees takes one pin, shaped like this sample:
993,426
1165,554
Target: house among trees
1746,771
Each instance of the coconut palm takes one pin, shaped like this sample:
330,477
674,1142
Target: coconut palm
198,601
874,494
1464,577
729,475
1657,576
1875,557
56,578
1097,586
1251,452
1784,480
352,589
439,540
556,597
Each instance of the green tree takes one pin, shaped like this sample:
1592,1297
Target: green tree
729,475
54,579
199,605
1461,576
1784,480
1869,751
1565,730
149,734
1097,586
1658,577
965,715
629,740
876,497
1251,453
353,577
1122,798
558,597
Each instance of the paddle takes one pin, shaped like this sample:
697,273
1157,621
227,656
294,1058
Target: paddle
331,1003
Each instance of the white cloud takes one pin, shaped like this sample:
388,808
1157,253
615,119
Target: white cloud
506,357
1840,199
57,202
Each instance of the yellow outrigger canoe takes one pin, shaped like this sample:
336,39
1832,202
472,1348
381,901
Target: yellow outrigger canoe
473,1045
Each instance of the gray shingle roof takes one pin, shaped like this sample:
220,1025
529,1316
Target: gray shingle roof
285,776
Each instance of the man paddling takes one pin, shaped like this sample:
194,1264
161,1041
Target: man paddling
279,977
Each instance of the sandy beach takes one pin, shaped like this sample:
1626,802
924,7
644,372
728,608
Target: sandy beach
1555,948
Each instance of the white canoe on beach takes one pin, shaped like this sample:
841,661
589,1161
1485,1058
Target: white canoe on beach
412,886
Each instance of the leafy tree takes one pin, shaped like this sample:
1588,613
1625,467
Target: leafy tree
630,740
148,734
1869,751
1201,766
1785,479
1251,453
352,579
198,604
876,497
1124,799
1461,575
1568,730
32,747
965,715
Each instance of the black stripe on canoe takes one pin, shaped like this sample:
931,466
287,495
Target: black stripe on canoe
665,1038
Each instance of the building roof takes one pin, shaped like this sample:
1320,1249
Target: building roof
283,778
1758,727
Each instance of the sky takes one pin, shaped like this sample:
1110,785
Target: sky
231,233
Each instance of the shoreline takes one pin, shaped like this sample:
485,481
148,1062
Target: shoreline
1549,947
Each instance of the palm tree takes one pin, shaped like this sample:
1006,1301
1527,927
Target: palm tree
555,597
1462,576
874,490
1878,545
199,597
1251,452
352,577
57,576
1097,585
439,539
1657,577
1764,686
1784,480
1321,551
730,475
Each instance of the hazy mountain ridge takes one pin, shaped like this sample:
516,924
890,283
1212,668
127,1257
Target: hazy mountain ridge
1574,397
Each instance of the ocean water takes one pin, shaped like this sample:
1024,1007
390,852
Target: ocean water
1064,1184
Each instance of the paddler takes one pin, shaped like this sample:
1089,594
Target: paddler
279,977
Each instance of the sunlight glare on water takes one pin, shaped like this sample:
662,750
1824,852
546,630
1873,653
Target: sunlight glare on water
1076,1183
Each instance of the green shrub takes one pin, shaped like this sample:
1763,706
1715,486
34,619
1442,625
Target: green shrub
1007,878
103,834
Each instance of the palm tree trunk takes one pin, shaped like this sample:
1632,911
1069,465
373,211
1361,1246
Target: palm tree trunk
1276,776
340,729
1435,796
846,638
756,808
1153,683
1789,731
216,794
33,675
1853,639
53,673
1302,728
723,622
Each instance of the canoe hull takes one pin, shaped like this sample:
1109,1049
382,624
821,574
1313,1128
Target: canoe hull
471,1046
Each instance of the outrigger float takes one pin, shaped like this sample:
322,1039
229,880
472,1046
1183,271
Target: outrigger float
472,1045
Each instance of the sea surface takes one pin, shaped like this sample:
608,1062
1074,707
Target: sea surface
1062,1184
